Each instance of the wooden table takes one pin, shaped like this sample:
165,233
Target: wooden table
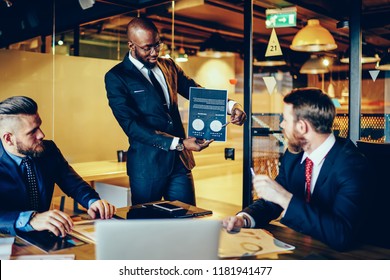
99,170
305,247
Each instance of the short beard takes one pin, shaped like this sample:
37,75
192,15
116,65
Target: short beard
146,63
296,143
32,152
294,148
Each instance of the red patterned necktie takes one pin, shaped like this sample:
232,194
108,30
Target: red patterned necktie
308,171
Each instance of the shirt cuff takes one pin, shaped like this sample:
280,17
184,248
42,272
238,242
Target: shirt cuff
231,104
91,201
253,223
174,143
23,221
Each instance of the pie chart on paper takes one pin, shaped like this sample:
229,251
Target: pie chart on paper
198,124
216,126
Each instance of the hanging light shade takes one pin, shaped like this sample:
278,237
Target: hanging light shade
216,47
313,38
181,56
368,55
315,65
384,63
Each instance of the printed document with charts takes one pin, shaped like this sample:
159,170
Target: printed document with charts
84,228
250,242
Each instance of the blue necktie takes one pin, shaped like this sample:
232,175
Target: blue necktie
32,185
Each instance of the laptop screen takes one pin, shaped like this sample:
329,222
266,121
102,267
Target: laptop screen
157,239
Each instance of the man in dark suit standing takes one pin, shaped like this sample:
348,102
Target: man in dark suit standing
326,201
29,168
142,92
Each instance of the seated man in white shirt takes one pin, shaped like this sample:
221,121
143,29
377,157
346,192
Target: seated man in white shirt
326,203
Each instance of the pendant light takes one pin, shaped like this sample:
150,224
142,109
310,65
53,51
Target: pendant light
313,38
181,55
315,65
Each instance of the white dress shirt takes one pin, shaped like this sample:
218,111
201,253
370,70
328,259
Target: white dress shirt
318,158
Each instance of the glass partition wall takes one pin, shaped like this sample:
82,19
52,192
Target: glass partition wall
63,71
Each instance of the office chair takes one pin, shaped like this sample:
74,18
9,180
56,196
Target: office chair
377,228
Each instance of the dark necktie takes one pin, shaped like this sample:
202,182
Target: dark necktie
158,88
32,184
308,171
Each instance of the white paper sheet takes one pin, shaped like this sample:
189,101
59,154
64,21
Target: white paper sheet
250,242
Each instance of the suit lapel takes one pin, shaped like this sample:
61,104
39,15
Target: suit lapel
129,67
298,175
168,81
134,72
11,167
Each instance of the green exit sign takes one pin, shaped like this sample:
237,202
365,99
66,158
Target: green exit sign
280,19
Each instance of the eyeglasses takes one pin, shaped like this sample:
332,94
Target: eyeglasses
148,49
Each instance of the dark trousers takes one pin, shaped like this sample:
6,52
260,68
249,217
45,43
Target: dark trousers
179,185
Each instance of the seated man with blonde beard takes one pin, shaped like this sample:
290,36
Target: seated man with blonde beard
29,168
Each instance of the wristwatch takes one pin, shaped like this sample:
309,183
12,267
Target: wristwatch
180,145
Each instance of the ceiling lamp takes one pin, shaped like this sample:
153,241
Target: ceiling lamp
181,56
315,65
384,63
313,38
368,55
215,47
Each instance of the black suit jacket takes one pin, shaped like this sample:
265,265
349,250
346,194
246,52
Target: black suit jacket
336,210
137,107
52,168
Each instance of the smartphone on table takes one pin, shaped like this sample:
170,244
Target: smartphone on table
167,206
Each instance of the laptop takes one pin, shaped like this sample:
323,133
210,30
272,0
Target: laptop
176,209
157,239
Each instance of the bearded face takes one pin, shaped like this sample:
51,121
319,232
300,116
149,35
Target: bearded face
145,46
28,137
295,141
35,149
149,60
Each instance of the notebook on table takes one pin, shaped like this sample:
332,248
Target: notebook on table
152,211
157,239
